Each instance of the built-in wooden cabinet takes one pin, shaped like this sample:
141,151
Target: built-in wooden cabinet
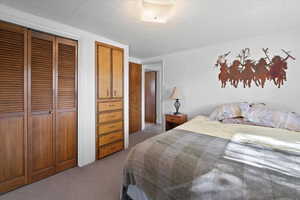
38,105
109,100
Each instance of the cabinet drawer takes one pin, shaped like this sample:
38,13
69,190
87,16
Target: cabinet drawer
107,106
174,119
112,137
111,116
111,148
110,127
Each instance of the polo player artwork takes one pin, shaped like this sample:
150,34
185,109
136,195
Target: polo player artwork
248,71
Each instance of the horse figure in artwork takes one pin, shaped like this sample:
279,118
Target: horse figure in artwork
234,73
261,73
224,74
247,75
245,70
278,70
278,67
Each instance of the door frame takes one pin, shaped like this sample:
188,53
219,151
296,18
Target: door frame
155,95
157,66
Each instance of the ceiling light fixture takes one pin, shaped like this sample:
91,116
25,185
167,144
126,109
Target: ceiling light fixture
158,11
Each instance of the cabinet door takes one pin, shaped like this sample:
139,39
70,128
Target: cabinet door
104,72
117,73
41,138
66,111
13,107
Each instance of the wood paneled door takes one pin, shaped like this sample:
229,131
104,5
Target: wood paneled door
66,98
150,97
13,106
135,97
41,127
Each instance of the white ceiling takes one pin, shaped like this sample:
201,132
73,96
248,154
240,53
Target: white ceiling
196,22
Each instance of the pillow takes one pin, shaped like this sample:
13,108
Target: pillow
292,122
239,120
265,116
226,111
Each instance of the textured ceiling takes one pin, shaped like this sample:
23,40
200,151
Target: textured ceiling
196,22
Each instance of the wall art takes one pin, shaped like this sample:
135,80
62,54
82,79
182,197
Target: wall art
244,70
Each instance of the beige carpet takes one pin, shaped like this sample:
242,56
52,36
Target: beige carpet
98,181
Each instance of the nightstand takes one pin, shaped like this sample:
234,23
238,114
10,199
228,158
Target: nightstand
173,121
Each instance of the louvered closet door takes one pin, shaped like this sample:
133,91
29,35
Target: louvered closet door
41,106
13,109
66,115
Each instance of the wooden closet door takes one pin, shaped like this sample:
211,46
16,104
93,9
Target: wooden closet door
13,107
117,73
150,97
41,137
135,94
104,72
66,111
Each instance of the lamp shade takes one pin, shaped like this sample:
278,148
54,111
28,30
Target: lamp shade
175,94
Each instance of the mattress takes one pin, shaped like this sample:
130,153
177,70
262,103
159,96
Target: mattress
205,159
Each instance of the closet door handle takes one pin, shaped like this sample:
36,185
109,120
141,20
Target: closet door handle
107,92
115,93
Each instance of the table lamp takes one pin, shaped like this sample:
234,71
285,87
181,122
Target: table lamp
175,96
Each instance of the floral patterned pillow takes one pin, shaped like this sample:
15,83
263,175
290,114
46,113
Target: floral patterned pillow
227,111
265,116
257,114
292,122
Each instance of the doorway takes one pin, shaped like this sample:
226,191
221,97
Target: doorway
150,96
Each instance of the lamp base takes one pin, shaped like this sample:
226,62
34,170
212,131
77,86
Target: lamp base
177,106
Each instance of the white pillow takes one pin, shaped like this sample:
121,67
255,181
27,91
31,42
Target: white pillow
226,111
265,116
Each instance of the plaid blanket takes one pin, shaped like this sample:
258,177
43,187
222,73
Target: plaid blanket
183,165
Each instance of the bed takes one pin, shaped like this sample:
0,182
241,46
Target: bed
210,160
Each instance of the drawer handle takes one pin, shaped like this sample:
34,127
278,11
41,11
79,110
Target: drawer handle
112,126
112,116
110,105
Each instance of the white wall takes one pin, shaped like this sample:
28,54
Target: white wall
193,72
86,74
